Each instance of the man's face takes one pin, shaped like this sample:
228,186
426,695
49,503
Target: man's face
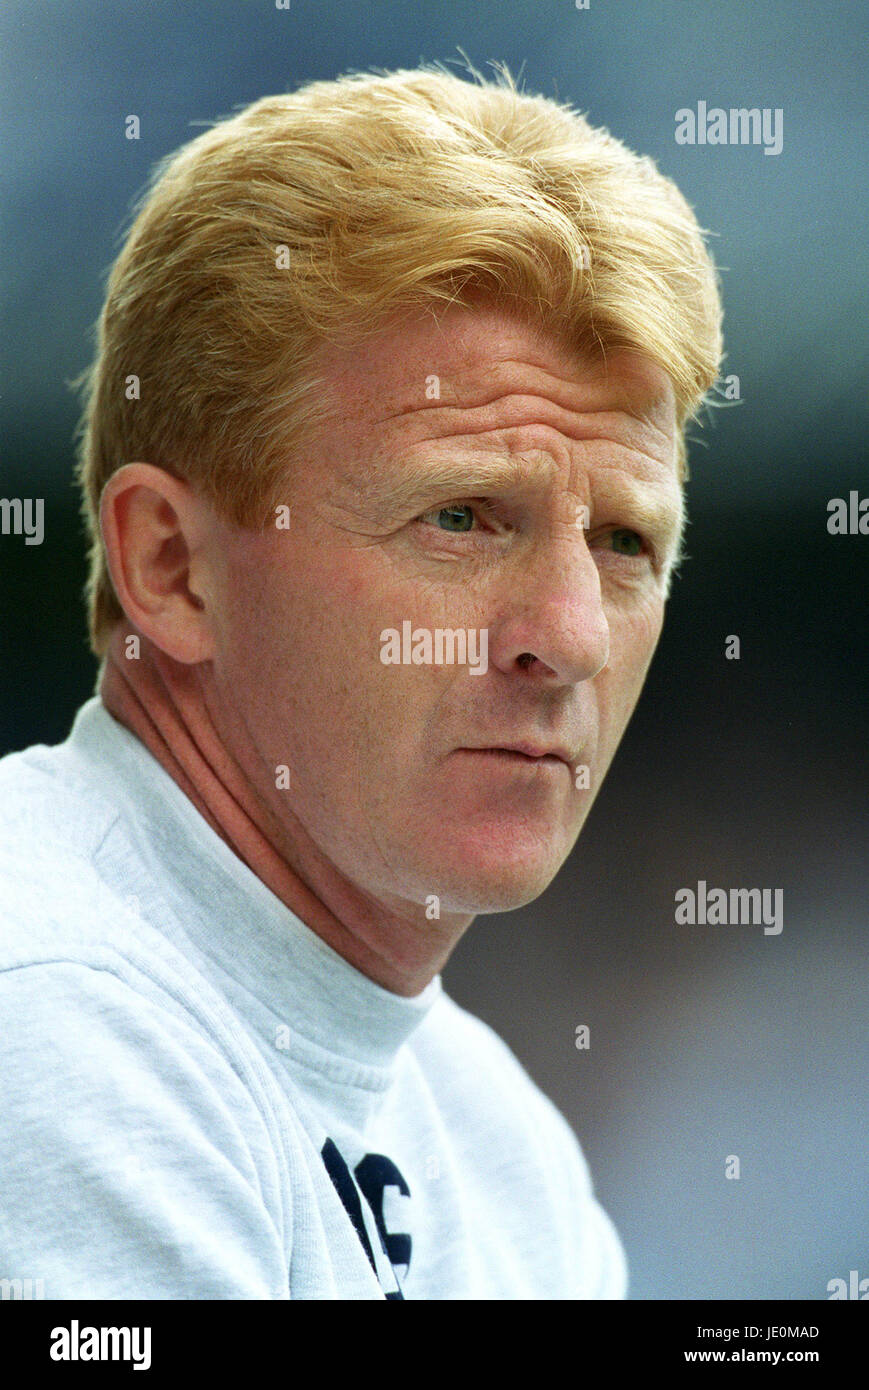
464,513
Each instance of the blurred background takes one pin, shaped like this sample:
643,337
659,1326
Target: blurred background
705,1041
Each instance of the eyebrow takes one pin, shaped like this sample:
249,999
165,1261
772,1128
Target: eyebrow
657,514
468,478
458,477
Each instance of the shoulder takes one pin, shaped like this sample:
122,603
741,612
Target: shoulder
121,1119
95,1002
51,827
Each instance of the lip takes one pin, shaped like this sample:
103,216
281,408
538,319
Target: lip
530,751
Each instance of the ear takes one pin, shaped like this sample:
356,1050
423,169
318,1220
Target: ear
157,535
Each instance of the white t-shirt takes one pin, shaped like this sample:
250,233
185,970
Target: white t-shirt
200,1099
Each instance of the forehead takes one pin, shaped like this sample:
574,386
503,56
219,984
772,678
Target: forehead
482,369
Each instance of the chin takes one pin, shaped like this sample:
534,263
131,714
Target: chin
497,876
495,895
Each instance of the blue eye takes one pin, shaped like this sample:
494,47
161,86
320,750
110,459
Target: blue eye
462,515
626,542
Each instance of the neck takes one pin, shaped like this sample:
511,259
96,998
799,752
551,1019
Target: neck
163,703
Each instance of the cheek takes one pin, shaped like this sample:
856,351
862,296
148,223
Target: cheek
301,650
636,633
632,645
301,647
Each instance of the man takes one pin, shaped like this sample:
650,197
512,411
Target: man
382,460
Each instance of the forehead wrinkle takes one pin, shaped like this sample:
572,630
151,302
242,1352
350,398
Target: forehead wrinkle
393,475
548,445
646,418
518,408
632,390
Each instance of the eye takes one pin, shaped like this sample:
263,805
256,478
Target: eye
626,542
457,517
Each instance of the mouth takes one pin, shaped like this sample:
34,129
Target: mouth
520,754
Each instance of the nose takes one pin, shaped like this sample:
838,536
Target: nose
554,625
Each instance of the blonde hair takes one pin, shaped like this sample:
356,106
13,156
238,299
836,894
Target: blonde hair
386,190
